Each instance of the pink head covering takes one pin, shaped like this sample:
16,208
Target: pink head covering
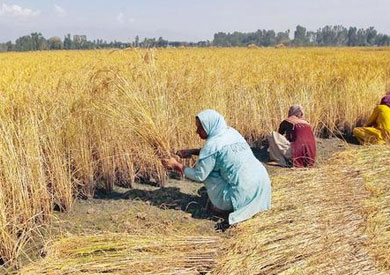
296,110
295,115
386,100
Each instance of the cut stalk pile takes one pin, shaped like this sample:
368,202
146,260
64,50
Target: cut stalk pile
130,254
323,221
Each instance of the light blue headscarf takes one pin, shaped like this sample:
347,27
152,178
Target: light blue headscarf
213,122
218,133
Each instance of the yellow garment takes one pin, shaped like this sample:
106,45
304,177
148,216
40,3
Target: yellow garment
377,130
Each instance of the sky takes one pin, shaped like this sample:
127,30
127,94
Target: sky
183,20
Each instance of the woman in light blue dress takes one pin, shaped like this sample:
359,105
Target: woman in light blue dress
235,180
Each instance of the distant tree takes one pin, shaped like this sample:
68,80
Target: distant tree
283,37
341,35
362,37
352,37
206,43
162,43
371,36
10,46
325,36
55,43
300,36
256,38
149,42
38,42
68,42
385,40
269,38
312,38
24,43
220,39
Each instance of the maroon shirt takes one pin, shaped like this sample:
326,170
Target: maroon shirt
303,143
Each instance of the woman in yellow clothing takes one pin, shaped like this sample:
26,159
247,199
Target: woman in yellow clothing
377,129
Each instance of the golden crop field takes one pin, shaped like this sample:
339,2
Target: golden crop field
71,120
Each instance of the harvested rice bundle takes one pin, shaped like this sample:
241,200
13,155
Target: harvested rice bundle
253,46
129,254
332,219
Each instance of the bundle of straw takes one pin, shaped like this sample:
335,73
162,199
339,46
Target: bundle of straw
129,254
328,220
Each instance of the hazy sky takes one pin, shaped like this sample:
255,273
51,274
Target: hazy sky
190,20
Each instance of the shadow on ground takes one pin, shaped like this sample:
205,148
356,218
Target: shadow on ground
167,198
261,153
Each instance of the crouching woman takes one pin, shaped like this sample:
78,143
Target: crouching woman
235,180
377,128
294,144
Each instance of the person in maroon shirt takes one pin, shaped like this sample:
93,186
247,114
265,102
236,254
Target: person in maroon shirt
294,144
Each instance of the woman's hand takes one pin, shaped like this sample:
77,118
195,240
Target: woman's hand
185,154
173,164
170,163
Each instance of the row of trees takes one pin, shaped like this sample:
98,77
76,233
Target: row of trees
36,42
326,36
162,43
260,38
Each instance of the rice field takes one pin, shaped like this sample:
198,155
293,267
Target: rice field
72,121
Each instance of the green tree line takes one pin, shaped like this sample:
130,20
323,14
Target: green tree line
326,36
37,42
